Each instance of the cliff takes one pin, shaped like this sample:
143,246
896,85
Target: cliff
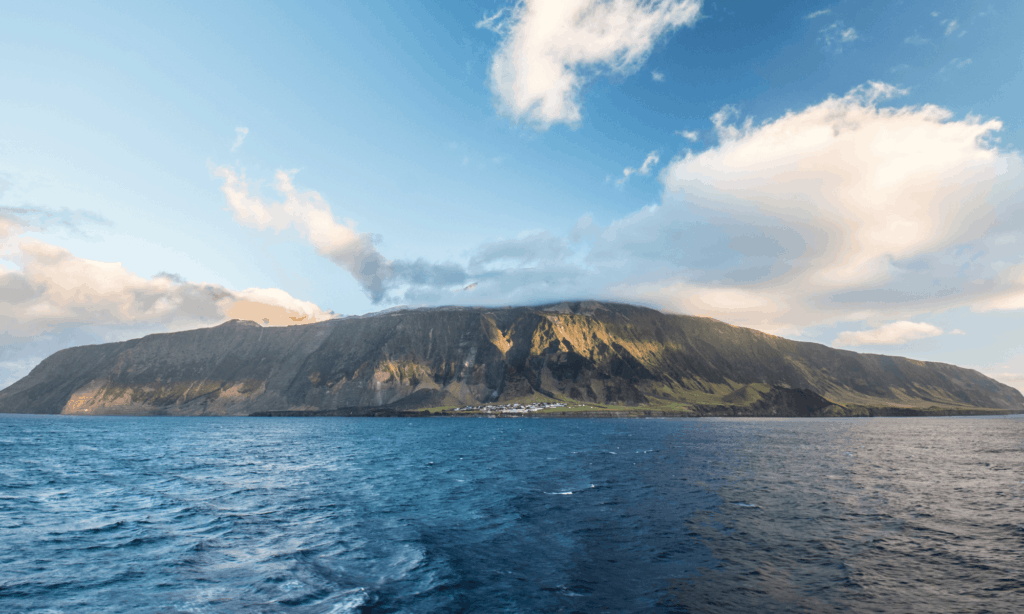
589,352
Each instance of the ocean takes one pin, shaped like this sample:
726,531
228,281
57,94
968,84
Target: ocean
511,515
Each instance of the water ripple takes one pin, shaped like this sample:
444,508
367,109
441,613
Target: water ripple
175,515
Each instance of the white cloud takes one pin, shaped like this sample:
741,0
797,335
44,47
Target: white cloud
51,299
818,13
550,49
645,168
690,135
310,214
880,183
955,63
657,76
54,290
342,244
951,27
860,212
957,331
240,134
895,333
494,23
845,211
916,39
834,36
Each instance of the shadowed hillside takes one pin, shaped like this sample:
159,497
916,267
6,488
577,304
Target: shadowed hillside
589,352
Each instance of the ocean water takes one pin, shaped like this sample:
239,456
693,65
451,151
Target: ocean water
511,515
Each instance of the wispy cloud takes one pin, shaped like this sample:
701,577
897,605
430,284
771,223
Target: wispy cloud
548,50
690,135
951,26
494,23
818,13
657,76
645,168
310,214
240,134
956,63
895,333
354,251
15,220
916,39
836,35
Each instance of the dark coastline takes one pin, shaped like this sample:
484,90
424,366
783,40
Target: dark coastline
697,412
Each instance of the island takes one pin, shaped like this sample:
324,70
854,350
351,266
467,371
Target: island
569,359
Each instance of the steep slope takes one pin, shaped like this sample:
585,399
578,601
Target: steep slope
589,352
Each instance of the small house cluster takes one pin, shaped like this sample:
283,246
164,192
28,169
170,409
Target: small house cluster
512,408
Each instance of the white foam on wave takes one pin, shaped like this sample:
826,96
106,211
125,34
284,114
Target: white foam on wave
350,603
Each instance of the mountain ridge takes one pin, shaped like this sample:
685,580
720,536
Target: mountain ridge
584,352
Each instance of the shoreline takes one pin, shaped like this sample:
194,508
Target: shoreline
632,413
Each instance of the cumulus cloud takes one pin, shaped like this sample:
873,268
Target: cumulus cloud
51,299
550,49
848,210
895,333
645,168
240,134
844,211
54,290
877,183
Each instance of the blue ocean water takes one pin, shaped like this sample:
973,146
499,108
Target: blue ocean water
511,515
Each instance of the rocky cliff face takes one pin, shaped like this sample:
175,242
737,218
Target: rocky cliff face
595,352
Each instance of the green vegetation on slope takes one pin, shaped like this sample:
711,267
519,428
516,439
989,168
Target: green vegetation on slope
594,357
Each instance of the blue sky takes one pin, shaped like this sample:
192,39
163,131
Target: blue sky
860,187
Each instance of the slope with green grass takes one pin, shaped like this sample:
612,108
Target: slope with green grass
585,353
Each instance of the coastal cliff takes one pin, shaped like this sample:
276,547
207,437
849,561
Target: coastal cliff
596,353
